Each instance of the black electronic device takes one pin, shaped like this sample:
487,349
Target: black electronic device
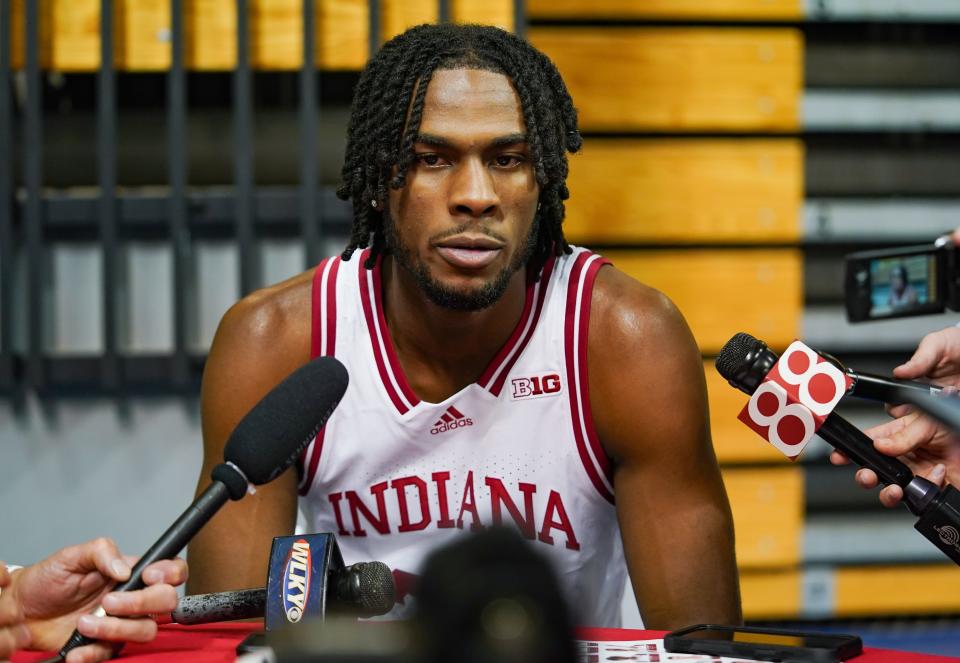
900,282
763,644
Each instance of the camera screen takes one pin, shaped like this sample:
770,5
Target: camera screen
901,284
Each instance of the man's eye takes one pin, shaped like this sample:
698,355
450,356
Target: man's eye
429,159
508,160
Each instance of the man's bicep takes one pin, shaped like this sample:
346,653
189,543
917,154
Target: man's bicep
651,410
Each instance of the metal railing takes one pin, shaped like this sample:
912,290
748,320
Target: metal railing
310,210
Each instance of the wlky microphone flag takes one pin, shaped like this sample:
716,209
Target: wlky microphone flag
794,399
300,567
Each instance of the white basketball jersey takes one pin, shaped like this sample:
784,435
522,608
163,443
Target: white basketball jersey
395,477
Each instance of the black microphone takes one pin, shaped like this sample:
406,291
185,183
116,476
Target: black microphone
744,361
364,589
264,444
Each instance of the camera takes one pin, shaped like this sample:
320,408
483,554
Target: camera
896,283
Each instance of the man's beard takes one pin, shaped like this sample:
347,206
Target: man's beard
474,299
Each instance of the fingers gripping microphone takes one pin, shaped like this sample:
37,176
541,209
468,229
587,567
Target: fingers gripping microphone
744,361
364,589
265,443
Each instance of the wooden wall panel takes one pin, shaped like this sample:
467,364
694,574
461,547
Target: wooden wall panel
277,29
771,594
725,291
768,511
685,190
679,79
398,15
142,35
897,590
70,31
667,9
732,440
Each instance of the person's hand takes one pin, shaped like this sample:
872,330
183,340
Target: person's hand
55,596
13,634
929,449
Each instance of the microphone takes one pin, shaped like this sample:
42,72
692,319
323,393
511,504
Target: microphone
265,443
744,361
364,589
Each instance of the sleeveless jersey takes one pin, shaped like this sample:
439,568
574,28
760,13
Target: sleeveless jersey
395,477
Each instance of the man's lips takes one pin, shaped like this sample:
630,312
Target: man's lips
467,252
468,258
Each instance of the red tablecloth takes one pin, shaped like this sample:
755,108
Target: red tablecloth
216,643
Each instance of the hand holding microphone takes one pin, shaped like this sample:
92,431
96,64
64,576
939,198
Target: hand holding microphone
802,405
262,446
929,448
43,601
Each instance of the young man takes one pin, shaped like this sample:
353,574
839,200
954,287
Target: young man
497,375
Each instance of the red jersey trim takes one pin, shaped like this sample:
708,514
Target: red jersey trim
576,325
323,343
495,375
388,366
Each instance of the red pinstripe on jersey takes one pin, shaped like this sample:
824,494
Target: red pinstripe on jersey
323,338
394,381
577,324
496,373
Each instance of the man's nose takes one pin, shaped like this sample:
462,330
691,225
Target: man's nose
473,191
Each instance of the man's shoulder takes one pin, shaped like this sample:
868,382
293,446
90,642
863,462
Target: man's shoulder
272,319
624,309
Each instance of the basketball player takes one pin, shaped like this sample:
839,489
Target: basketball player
497,375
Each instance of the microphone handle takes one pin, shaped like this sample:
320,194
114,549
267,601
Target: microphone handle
878,388
849,439
220,606
167,546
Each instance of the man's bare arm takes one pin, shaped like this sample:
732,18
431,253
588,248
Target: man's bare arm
260,341
648,395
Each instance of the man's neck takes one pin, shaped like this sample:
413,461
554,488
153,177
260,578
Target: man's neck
443,350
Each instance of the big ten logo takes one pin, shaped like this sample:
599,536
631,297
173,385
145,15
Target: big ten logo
536,386
794,399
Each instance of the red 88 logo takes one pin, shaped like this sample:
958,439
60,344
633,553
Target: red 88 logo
794,399
819,383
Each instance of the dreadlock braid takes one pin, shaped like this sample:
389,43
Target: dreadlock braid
388,107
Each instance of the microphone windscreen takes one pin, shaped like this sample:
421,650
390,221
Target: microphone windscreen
270,438
734,353
377,590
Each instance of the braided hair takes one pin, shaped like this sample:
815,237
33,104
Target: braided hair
380,148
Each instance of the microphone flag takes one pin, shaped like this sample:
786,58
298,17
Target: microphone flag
300,568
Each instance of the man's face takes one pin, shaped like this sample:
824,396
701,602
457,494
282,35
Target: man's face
464,222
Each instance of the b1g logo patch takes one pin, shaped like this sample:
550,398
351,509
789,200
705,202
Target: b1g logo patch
794,399
536,386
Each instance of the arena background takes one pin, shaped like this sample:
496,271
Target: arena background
735,151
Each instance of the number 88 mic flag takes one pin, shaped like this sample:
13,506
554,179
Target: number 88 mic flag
794,399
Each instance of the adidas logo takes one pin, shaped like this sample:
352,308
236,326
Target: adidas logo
450,420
